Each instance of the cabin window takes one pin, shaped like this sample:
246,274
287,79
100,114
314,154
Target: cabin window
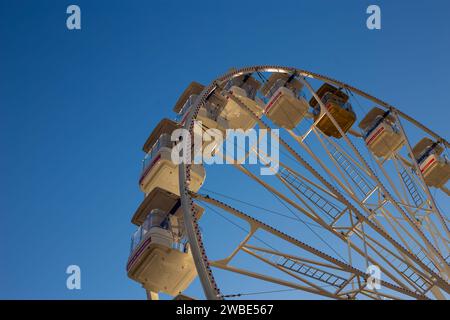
186,107
376,122
426,153
278,84
164,141
136,238
156,218
248,86
329,97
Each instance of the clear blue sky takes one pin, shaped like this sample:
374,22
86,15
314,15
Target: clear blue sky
76,106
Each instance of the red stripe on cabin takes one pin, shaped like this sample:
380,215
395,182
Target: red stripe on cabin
428,164
184,118
272,102
149,167
375,135
141,248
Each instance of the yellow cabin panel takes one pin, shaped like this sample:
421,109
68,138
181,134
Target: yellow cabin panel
344,118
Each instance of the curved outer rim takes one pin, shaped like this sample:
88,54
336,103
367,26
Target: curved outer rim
204,271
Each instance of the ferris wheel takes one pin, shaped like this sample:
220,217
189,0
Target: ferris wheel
351,211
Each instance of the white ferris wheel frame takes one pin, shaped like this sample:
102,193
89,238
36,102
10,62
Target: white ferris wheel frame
438,283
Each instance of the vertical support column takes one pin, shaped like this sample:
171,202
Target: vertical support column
151,295
193,233
202,271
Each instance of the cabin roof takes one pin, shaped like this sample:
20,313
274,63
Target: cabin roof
251,80
370,117
193,88
158,198
423,144
274,77
326,87
164,126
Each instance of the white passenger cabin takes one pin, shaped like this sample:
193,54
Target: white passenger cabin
158,168
208,116
160,258
244,88
435,166
285,107
165,200
381,134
